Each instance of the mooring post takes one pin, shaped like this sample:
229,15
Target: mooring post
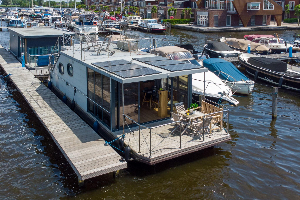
290,52
249,48
274,102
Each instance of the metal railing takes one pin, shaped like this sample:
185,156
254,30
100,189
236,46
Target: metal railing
225,115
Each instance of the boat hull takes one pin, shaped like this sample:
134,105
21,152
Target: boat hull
241,87
278,79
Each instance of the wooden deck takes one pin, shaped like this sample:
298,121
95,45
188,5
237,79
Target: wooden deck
165,144
84,149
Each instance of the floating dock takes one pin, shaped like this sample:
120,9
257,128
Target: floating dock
83,148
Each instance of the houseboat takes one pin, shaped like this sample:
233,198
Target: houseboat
130,97
37,46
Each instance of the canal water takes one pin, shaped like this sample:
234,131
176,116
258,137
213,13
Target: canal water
261,162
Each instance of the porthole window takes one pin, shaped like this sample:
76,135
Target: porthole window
70,69
61,68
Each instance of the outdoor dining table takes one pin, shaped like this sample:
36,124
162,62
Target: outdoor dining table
192,116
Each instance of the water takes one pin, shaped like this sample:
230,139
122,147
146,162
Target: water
261,161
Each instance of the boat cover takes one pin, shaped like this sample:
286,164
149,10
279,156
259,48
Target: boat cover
243,45
252,37
224,69
218,46
268,63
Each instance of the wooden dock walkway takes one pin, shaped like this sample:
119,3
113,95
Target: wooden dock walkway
84,149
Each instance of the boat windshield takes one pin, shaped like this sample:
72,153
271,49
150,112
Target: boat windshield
180,56
275,40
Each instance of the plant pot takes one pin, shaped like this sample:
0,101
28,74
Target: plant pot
191,111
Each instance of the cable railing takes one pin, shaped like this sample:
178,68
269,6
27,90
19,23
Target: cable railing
148,140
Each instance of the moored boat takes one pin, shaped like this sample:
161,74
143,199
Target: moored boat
151,25
242,45
119,92
271,70
16,23
207,83
276,44
230,75
217,49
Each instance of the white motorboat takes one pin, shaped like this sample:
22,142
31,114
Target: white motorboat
207,83
151,25
230,75
276,44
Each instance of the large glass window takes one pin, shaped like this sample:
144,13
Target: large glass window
292,5
268,5
180,90
253,6
130,103
99,96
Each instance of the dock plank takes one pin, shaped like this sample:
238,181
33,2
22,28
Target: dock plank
84,149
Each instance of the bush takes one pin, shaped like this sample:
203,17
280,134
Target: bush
177,21
290,20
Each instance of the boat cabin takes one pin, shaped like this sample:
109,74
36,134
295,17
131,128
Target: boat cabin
150,85
16,23
37,43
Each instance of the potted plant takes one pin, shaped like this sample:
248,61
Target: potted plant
193,106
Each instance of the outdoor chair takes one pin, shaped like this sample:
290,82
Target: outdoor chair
178,119
179,107
198,127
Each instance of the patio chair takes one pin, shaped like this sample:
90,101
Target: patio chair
178,119
179,107
201,126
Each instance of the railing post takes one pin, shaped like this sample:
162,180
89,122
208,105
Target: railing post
203,127
150,142
180,136
228,121
139,139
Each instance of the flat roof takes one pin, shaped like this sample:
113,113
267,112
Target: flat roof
39,32
130,67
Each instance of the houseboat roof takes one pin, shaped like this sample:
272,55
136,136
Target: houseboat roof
130,67
39,32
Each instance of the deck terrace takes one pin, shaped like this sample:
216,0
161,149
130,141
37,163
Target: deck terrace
165,141
84,149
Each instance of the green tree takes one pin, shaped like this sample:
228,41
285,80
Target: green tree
5,2
154,10
286,10
172,11
297,12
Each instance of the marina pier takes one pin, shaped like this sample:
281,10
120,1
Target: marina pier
82,147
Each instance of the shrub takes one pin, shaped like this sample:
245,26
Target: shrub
290,20
177,21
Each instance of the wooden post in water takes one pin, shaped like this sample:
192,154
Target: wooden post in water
274,102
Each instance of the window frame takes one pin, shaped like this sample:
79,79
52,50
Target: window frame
61,68
268,5
69,65
251,8
292,3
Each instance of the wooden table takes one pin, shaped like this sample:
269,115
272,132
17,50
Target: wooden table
195,115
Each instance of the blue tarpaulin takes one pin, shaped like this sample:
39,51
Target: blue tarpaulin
43,60
224,69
